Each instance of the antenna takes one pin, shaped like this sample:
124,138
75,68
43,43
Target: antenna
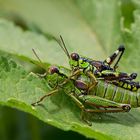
41,64
63,46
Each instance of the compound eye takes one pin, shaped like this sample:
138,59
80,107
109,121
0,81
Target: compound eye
53,69
75,56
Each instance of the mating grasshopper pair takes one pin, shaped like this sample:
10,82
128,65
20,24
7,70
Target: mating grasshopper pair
89,89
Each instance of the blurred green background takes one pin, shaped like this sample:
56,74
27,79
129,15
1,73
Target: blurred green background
17,125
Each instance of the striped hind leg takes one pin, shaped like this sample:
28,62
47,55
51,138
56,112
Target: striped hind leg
98,102
130,85
111,75
112,58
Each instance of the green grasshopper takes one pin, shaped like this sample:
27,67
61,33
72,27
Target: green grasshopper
57,77
60,78
101,69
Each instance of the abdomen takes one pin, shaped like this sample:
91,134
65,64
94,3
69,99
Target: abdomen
116,94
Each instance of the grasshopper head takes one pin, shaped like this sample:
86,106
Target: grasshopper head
53,69
74,59
77,61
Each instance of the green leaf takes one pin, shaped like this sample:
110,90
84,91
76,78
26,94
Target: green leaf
25,88
91,28
15,41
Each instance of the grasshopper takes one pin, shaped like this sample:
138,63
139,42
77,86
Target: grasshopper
101,69
60,78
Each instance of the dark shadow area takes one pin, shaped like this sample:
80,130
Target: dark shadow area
17,125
